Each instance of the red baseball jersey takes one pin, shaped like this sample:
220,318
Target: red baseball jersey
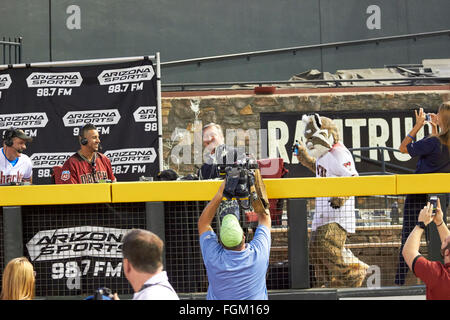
78,170
436,277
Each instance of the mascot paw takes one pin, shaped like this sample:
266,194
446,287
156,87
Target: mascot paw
337,202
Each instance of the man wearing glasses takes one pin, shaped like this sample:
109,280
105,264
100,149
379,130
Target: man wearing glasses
87,165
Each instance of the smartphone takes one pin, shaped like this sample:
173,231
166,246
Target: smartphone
428,117
295,148
433,201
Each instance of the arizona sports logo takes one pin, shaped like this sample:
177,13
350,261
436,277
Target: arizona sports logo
83,241
145,114
49,160
5,81
23,120
131,156
104,117
134,74
54,79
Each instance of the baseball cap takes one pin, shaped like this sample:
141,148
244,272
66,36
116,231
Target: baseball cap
19,133
230,231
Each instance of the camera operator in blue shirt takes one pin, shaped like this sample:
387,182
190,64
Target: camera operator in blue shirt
236,270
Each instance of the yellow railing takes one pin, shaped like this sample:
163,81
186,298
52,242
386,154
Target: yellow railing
205,190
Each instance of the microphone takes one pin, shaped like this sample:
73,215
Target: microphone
17,150
220,154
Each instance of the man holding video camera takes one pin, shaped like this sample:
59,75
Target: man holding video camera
236,270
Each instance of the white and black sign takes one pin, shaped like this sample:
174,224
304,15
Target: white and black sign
76,249
70,259
52,104
358,129
70,243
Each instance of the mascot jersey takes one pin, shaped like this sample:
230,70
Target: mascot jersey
337,162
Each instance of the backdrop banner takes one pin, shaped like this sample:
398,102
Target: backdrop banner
357,129
51,104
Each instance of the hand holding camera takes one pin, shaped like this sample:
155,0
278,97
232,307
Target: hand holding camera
432,212
433,201
239,177
437,214
298,147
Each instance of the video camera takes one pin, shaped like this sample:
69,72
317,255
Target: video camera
239,178
101,294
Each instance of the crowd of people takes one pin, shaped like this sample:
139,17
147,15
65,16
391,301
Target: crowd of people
236,268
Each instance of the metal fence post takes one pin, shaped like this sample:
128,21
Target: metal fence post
12,233
154,212
298,243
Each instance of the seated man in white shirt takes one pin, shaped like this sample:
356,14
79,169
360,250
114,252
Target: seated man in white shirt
15,166
142,265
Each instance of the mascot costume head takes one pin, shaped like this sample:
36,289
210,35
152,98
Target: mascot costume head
321,134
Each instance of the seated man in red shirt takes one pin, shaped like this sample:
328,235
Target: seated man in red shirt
434,274
87,165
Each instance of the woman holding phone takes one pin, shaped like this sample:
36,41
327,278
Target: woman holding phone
433,153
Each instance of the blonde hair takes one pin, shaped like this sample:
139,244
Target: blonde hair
18,280
444,114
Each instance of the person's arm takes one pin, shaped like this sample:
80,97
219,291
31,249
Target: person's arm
304,158
412,244
28,174
72,177
30,180
30,177
420,121
109,170
438,219
204,222
264,219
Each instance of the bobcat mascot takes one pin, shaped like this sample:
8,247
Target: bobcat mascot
334,265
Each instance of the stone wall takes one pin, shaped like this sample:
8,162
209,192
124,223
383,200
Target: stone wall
241,109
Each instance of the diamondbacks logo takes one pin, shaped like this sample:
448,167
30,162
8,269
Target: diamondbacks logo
54,79
348,165
68,243
17,177
134,74
23,120
5,81
98,117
